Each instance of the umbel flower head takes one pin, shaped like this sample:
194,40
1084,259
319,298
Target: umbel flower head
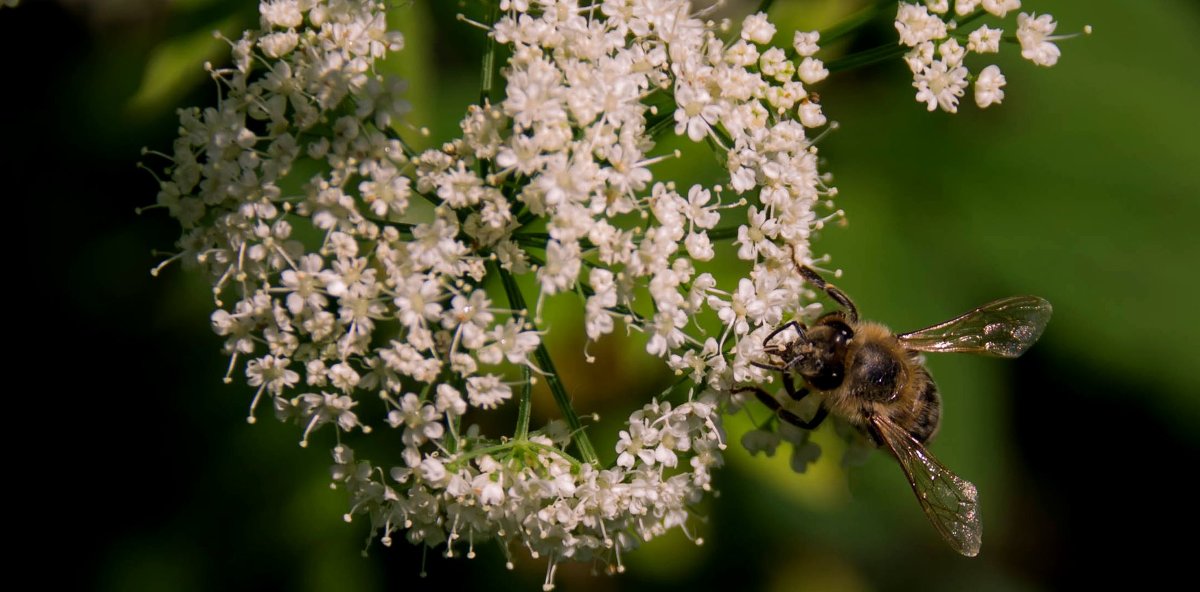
349,269
939,47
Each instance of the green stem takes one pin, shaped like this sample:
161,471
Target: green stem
723,233
665,118
874,55
564,405
525,404
852,22
517,301
534,239
979,13
764,6
403,227
488,76
881,53
513,445
489,57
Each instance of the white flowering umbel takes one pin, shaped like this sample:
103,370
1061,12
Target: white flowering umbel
940,44
348,269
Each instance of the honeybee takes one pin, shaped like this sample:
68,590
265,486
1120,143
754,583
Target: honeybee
875,380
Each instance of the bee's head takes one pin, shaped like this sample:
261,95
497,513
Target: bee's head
821,355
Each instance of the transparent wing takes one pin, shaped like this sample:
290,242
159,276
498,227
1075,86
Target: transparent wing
949,502
1004,328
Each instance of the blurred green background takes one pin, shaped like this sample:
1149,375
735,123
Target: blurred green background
1081,188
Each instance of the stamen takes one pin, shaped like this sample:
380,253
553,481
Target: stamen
832,127
229,372
154,271
462,17
820,223
308,429
550,567
250,419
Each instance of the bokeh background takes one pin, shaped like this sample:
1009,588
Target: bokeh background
1082,188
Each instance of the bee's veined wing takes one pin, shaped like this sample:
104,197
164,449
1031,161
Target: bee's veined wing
950,503
1003,328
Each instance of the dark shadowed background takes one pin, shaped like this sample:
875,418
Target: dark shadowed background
1081,188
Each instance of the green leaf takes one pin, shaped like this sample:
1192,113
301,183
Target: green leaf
175,66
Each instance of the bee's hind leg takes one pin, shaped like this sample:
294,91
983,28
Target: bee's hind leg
774,405
790,386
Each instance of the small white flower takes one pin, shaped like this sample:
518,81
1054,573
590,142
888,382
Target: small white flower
323,408
984,40
344,377
805,43
487,391
636,444
811,114
488,488
952,52
1033,32
699,247
305,285
916,25
272,372
938,6
775,64
695,112
756,237
284,14
421,421
432,470
562,266
450,401
941,85
509,342
965,7
1000,8
757,28
989,87
469,317
812,71
277,45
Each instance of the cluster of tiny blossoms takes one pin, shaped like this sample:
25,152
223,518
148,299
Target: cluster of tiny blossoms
939,48
348,270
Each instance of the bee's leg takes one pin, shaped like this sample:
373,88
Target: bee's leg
790,386
836,294
811,424
780,329
784,414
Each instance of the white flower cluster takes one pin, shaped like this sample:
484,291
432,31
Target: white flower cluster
348,269
939,48
569,145
529,494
